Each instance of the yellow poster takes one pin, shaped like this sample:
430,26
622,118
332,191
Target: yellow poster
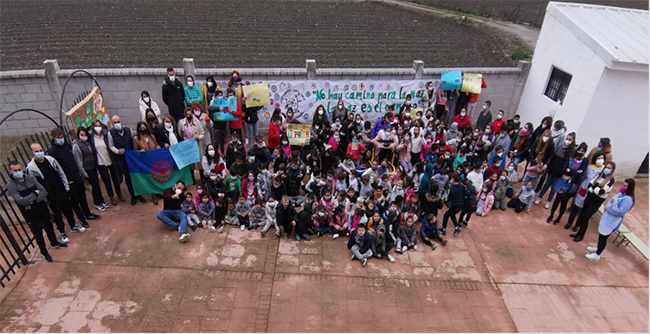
257,95
472,83
299,134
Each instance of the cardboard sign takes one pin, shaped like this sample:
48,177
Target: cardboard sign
472,83
257,95
88,110
299,134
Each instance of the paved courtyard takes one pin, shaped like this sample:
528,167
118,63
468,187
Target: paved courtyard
506,273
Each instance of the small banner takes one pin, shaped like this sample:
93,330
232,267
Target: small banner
451,80
88,110
185,153
299,134
154,171
229,105
257,95
472,83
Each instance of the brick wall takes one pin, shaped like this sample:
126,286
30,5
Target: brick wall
121,89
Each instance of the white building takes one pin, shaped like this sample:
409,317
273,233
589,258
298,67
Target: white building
590,69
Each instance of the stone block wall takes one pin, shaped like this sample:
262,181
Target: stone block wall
121,88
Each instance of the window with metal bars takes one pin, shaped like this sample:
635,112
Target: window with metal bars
557,85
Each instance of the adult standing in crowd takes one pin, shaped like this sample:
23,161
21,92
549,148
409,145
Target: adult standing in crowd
61,150
122,140
209,90
218,128
144,141
612,217
235,86
169,135
145,103
251,118
596,194
605,147
31,197
204,122
596,165
563,149
192,92
101,142
86,159
485,116
50,174
172,214
189,128
173,94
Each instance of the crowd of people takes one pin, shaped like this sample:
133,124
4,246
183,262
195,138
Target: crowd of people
382,184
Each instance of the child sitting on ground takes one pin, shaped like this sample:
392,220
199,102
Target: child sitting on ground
429,230
231,215
270,209
407,236
381,244
219,215
243,210
258,214
206,209
190,211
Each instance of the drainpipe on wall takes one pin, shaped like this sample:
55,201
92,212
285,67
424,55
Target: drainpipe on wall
51,69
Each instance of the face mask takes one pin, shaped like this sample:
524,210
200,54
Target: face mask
567,142
189,117
484,107
213,177
502,178
430,88
320,111
499,117
529,188
623,187
142,130
83,138
447,156
407,138
487,132
251,178
211,153
197,113
336,138
117,126
146,99
18,175
210,83
321,214
285,143
168,125
545,139
199,191
59,141
607,171
429,140
600,162
178,191
462,114
358,121
510,169
172,78
235,79
499,154
340,106
98,129
190,83
151,118
39,155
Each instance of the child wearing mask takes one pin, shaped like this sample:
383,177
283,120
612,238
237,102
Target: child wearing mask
429,230
206,210
407,236
524,199
258,214
381,245
219,216
270,209
243,210
189,209
502,186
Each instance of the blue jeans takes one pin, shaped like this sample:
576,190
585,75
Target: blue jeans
170,217
528,178
551,180
324,230
251,133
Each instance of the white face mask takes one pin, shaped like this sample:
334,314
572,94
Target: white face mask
98,129
210,83
545,139
484,107
211,153
567,142
168,125
320,111
499,117
197,113
190,83
172,78
284,142
600,162
146,99
178,191
340,106
213,177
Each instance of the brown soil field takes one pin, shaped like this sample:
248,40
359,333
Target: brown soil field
159,33
528,11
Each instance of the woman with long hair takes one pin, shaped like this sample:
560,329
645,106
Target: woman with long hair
143,141
146,103
613,216
595,167
597,192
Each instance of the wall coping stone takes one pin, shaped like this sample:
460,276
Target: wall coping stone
277,71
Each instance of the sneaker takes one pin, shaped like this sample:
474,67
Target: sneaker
297,237
47,258
592,257
363,262
443,231
278,234
59,246
319,234
64,238
347,234
184,237
242,227
306,237
352,257
213,229
78,229
93,216
100,207
404,248
335,236
250,227
456,231
433,246
547,205
105,205
390,258
263,233
592,249
466,224
193,227
415,247
220,229
538,200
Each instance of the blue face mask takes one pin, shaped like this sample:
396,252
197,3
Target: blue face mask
529,188
607,171
59,141
18,175
39,155
117,126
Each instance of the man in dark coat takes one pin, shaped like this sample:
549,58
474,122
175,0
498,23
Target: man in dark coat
174,95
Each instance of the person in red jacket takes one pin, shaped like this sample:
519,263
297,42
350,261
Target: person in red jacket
355,148
235,126
498,123
462,120
274,133
473,98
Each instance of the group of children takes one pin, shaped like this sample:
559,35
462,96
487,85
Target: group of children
376,183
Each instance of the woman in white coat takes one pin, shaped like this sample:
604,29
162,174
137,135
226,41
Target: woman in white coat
147,102
613,216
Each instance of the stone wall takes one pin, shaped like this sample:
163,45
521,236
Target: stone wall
121,87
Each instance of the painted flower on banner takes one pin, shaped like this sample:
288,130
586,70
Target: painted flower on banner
354,87
421,85
372,87
346,87
313,85
283,86
276,96
274,88
307,93
267,114
362,86
327,84
336,88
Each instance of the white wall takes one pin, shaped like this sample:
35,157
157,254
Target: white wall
558,47
619,110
